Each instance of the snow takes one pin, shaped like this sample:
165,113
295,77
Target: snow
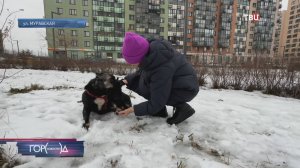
243,129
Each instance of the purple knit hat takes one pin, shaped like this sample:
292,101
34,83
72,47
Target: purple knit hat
135,47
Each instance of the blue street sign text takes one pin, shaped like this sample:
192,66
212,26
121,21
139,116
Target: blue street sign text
52,23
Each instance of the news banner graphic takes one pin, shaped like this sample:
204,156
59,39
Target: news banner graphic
47,147
52,23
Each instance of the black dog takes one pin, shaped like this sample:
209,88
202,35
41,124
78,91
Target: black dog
103,94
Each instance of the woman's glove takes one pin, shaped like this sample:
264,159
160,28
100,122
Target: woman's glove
122,82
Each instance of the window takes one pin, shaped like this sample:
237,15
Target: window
190,13
87,44
73,32
85,13
73,12
61,43
74,54
189,31
61,32
161,29
87,54
74,43
131,7
254,4
60,10
85,2
251,36
86,34
189,22
72,2
58,1
131,17
131,26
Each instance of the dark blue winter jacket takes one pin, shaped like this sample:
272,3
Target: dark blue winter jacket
164,78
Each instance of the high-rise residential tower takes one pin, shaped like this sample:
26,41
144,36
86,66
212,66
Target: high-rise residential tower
210,31
260,32
292,48
109,28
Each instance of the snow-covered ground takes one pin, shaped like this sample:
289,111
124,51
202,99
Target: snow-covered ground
229,129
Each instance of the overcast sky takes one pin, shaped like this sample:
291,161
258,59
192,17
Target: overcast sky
32,39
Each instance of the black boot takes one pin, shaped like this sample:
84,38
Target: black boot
162,113
181,113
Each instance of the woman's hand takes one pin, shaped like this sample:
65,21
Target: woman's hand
125,81
126,112
122,82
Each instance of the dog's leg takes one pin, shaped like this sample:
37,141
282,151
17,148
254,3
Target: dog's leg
86,116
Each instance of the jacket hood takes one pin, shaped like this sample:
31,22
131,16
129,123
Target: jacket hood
160,52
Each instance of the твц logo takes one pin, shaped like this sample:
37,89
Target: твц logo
253,17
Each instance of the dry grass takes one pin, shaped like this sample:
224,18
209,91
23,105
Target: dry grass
33,87
26,89
8,159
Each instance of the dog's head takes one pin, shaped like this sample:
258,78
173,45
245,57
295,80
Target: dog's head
100,84
119,100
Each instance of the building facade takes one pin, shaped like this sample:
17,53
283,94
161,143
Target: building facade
176,23
292,47
277,30
209,31
283,33
72,43
109,28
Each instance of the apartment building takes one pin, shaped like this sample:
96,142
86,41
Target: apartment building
292,47
283,33
72,43
215,29
260,33
241,27
277,30
109,28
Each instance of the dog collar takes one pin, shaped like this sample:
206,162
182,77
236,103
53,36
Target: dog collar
102,97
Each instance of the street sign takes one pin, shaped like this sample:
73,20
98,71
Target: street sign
52,23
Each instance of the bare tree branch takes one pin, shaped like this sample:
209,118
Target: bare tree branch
6,77
3,1
3,77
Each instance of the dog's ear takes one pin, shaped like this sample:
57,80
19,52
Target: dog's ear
98,75
89,85
113,78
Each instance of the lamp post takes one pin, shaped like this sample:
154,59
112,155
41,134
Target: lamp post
1,34
18,46
203,60
53,35
185,27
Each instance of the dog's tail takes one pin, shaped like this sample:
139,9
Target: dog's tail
80,101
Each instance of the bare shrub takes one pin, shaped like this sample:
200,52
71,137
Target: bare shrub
202,73
8,158
26,89
272,79
215,77
255,81
220,77
237,78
